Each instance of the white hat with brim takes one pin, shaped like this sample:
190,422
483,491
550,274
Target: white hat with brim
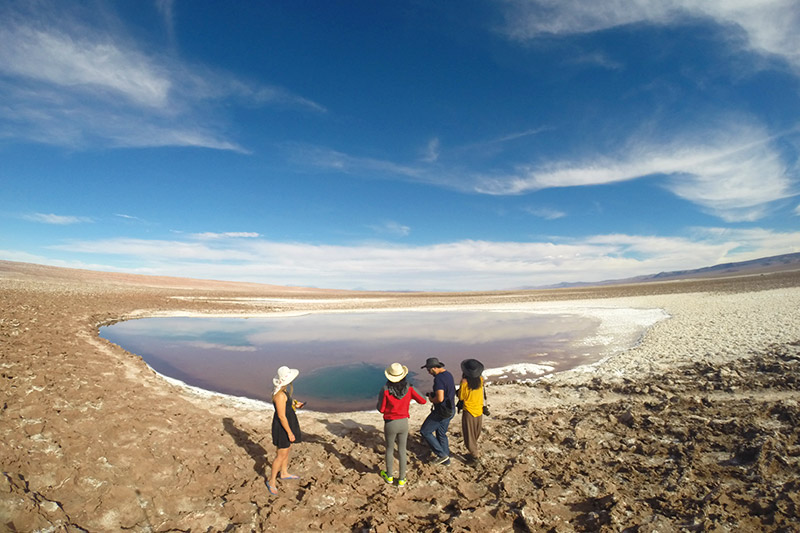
284,376
396,372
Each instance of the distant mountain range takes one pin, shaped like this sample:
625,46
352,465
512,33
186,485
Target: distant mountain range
765,265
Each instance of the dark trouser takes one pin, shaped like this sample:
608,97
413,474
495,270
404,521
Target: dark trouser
471,429
438,443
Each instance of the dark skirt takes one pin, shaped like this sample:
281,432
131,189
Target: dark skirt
279,436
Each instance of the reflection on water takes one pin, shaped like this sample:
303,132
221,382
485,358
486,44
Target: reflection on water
341,357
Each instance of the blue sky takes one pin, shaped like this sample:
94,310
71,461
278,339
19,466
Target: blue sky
399,145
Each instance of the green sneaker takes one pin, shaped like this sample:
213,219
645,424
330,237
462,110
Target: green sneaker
401,482
387,477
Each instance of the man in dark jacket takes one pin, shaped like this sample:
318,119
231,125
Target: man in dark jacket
434,428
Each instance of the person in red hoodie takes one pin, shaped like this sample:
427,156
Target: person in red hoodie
394,401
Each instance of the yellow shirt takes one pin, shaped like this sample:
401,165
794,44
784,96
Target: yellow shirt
473,399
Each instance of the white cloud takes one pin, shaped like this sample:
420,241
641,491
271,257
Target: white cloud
222,86
392,228
59,220
26,257
731,169
493,144
431,153
428,170
228,235
546,213
462,265
332,159
66,82
166,9
173,250
770,26
78,60
733,172
597,59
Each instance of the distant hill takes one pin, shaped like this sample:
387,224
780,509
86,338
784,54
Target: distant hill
765,265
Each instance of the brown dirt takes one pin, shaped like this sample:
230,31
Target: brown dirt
91,439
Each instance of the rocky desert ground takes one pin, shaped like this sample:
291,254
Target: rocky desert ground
693,429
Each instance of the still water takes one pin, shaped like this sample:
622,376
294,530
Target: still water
341,356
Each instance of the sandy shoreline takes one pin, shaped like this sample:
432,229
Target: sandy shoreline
694,429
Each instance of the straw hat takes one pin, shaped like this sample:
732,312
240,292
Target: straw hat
284,376
396,372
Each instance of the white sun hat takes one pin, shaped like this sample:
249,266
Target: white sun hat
395,372
284,376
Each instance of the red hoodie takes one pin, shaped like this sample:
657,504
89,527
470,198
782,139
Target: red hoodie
394,408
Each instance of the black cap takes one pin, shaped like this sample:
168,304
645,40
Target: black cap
472,368
432,362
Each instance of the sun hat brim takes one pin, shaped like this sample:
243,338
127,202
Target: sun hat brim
280,381
394,378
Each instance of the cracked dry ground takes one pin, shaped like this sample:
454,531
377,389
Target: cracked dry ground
92,440
703,448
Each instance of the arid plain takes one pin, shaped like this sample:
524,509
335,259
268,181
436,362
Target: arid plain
696,428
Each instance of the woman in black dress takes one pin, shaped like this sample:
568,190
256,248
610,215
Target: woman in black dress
285,427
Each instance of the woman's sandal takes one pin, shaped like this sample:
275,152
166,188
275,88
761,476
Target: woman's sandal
290,476
272,490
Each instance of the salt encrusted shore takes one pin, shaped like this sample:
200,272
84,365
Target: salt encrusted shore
680,328
693,429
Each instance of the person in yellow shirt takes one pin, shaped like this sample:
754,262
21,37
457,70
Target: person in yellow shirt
470,394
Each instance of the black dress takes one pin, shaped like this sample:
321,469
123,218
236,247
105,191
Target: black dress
279,436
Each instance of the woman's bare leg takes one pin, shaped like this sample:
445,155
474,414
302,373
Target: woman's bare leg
280,464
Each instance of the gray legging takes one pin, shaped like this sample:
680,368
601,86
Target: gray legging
396,429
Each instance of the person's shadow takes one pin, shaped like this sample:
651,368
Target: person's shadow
361,435
253,449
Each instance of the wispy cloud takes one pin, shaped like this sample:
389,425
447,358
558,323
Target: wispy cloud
80,61
166,9
429,168
770,26
431,152
462,265
66,82
265,95
597,59
59,220
731,169
493,144
227,235
326,158
546,213
392,228
733,172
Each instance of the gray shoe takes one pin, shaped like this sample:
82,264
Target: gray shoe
442,460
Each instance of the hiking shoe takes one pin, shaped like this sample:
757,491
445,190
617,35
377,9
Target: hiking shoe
401,482
442,460
387,477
